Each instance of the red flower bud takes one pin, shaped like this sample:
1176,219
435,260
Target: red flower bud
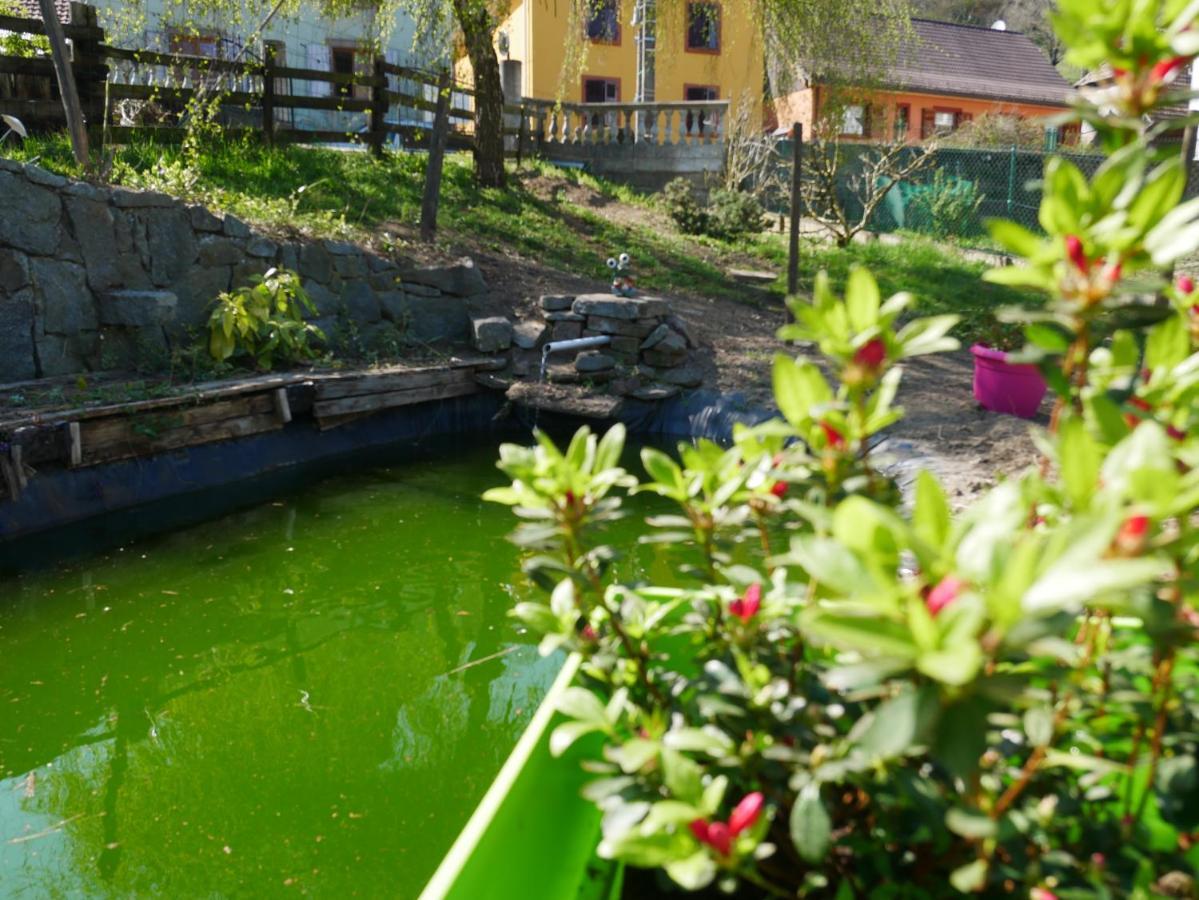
588,633
779,489
1165,70
746,812
1133,533
747,605
1119,73
1185,284
1076,254
699,828
570,498
720,838
1176,433
1042,894
945,593
836,439
871,354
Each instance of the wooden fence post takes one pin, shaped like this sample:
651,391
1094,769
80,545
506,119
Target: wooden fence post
268,95
76,124
378,108
441,129
796,201
521,130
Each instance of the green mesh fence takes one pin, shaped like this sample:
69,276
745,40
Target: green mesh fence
954,194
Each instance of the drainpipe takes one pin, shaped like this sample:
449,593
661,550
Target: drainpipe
601,340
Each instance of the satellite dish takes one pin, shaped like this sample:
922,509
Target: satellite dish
999,25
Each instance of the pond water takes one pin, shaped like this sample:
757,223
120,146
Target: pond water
306,697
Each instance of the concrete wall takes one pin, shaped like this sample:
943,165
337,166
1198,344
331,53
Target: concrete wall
96,278
644,166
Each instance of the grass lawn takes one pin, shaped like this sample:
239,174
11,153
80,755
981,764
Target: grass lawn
349,195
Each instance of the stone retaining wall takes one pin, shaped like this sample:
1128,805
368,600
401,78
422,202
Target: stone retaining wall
107,278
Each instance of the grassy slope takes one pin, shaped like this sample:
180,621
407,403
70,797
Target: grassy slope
349,195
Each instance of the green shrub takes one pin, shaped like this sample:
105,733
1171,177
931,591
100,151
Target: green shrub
946,205
734,214
679,199
264,321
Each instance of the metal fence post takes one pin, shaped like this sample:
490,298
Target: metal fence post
1011,181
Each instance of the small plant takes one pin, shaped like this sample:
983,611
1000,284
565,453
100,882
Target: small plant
264,321
679,199
734,214
945,205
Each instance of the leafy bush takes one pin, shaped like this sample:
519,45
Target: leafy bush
734,214
945,205
679,199
858,697
264,321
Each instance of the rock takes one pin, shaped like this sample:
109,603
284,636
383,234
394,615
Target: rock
85,191
197,292
529,334
67,354
315,263
93,225
235,227
16,334
245,272
677,323
556,317
656,392
419,290
569,401
491,334
664,358
612,307
137,349
556,302
625,346
325,301
566,331
592,361
377,263
622,327
493,382
38,175
170,242
427,318
683,376
562,374
289,257
360,302
262,248
463,278
137,309
672,343
218,251
341,248
387,280
350,266
30,218
64,303
127,199
203,220
624,386
656,336
14,271
134,271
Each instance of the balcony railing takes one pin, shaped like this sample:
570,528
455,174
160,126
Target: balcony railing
663,124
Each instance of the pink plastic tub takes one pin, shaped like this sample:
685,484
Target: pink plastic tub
1004,387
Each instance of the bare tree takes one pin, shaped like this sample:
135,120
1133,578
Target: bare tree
845,182
751,161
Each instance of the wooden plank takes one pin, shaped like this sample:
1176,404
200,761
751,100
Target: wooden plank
68,89
32,109
123,428
17,453
181,61
339,104
391,400
282,405
431,197
10,478
76,450
179,438
181,95
333,77
390,382
37,26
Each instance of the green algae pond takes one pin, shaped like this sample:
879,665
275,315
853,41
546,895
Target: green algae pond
304,697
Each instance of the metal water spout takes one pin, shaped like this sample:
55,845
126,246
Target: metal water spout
601,340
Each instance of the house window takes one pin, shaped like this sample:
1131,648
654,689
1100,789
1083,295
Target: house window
945,120
703,27
903,121
697,122
853,121
601,90
603,22
343,63
195,44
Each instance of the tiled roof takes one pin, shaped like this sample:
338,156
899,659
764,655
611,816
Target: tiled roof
31,9
942,57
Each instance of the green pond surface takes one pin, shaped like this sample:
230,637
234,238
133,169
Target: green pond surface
306,697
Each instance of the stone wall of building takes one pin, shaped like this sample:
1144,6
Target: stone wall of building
95,278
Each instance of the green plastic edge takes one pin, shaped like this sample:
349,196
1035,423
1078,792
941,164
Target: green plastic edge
532,836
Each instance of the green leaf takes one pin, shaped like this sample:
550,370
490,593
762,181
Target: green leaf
831,563
1038,725
607,454
970,877
930,517
567,733
1013,237
579,703
693,873
862,299
1079,458
868,634
683,777
665,471
899,723
709,739
811,827
798,389
970,824
956,664
1066,586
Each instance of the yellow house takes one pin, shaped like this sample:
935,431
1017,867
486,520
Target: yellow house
696,50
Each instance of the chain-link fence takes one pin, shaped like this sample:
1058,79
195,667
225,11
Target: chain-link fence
952,197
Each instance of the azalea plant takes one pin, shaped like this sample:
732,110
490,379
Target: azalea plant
856,693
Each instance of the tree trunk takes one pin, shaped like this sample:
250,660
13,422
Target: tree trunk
476,23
